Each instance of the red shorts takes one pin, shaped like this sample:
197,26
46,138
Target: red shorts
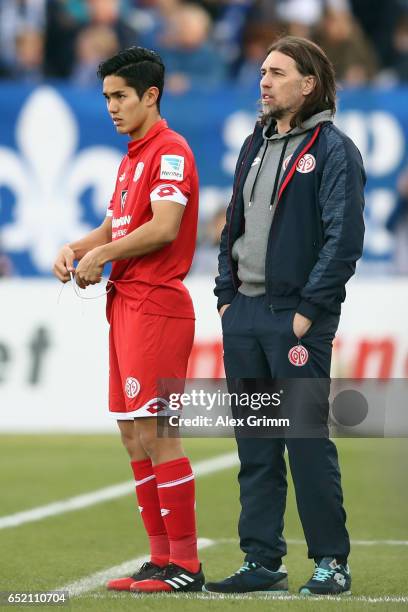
143,350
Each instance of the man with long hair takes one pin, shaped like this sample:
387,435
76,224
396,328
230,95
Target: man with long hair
294,231
149,236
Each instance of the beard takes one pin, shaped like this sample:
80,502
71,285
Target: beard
268,114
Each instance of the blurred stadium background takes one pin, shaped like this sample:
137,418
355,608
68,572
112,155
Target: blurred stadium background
58,160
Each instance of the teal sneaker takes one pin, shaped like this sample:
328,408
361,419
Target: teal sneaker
329,578
251,578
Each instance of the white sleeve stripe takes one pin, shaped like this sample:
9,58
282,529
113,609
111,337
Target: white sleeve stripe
168,192
174,198
109,213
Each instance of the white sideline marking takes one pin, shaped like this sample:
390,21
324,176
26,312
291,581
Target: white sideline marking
66,505
128,567
92,582
201,468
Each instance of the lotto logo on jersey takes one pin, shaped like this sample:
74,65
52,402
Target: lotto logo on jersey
157,405
168,192
172,167
165,192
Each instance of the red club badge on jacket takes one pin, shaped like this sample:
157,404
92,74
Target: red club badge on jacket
298,355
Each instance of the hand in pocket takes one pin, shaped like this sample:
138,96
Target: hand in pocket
223,309
301,325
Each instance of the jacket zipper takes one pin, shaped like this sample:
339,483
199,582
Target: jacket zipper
234,197
275,187
285,183
293,168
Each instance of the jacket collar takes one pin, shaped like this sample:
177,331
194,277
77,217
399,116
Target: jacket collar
303,148
256,142
270,133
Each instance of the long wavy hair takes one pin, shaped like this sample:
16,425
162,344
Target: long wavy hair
310,60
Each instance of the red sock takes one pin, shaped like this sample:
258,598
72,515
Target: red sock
175,486
149,506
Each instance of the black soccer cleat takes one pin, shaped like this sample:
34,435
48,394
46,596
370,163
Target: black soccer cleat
251,578
329,578
147,570
171,579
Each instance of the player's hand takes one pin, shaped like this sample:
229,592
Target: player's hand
64,264
223,309
90,268
301,325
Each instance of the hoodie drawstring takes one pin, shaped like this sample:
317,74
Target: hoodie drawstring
275,187
257,174
277,177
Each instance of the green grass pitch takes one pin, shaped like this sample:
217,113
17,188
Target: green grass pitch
55,551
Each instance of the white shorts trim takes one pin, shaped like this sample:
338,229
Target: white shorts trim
142,411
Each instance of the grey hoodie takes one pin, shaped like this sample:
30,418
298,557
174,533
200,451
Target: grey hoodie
260,198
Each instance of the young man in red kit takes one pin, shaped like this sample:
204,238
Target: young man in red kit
149,236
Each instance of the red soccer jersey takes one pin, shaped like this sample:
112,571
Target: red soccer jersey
159,166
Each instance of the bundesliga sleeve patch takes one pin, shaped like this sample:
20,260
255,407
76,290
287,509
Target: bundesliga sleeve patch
168,192
172,167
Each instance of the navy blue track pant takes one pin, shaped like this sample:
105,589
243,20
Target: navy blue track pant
256,345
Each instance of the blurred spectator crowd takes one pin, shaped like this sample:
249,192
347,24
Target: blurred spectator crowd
202,42
205,43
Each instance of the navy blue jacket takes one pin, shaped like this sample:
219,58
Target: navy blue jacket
317,231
